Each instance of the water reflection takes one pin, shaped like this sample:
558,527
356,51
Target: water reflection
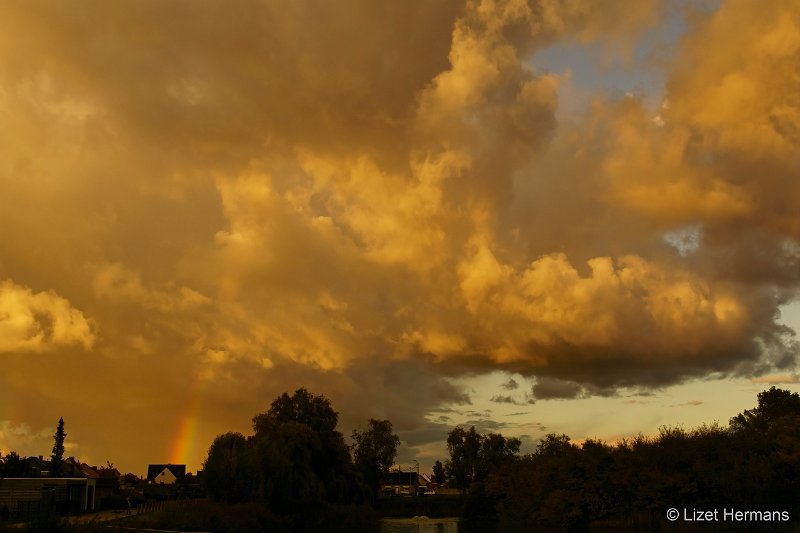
419,524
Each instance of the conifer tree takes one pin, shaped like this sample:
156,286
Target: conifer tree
57,459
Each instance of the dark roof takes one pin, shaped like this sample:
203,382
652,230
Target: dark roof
108,473
400,478
154,470
89,471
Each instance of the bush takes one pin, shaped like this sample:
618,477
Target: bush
479,505
206,515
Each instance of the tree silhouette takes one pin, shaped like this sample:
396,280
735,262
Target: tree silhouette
473,456
438,472
464,447
374,451
304,458
775,407
12,465
295,463
57,458
229,470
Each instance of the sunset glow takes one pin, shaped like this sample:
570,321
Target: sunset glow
524,215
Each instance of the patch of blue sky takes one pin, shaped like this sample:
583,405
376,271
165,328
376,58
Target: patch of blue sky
590,69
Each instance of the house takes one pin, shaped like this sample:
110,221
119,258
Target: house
38,466
165,474
89,471
28,497
130,481
106,480
400,483
72,468
108,473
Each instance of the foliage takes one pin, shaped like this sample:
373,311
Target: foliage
479,506
57,458
204,515
439,473
305,458
208,515
473,456
753,464
229,471
776,407
302,407
464,448
12,465
374,450
295,462
553,445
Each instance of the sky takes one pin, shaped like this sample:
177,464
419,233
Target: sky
534,216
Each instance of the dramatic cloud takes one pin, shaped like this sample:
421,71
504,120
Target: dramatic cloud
223,202
40,321
550,388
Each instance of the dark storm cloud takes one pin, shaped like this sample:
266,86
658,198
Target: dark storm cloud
503,399
511,384
556,389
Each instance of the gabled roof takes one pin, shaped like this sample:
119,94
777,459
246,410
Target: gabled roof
108,473
89,472
73,468
153,471
400,478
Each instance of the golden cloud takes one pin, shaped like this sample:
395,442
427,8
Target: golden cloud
42,321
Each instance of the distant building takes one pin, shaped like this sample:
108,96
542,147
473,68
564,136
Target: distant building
401,483
165,474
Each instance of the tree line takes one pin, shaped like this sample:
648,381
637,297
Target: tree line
296,465
753,464
296,461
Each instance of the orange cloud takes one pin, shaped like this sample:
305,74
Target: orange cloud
36,322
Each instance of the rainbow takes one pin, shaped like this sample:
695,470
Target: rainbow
184,446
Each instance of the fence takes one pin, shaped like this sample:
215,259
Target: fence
151,506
